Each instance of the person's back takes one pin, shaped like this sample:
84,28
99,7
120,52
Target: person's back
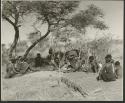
107,73
38,60
109,68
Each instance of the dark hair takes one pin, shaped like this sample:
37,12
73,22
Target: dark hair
91,58
38,55
108,56
117,63
13,60
50,51
83,61
19,57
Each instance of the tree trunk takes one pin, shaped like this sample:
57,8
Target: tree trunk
13,46
33,45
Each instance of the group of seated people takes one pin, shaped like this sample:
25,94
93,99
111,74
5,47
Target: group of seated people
109,71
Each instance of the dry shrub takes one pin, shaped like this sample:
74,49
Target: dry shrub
100,48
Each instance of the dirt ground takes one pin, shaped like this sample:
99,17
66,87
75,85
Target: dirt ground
98,90
36,86
43,86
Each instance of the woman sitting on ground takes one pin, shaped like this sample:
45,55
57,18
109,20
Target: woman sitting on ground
118,70
107,73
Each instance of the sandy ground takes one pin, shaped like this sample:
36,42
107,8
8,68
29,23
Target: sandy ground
98,90
43,85
36,86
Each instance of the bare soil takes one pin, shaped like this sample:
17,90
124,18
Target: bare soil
43,85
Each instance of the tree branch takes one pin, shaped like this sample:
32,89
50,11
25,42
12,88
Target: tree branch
12,17
16,18
38,31
36,42
7,19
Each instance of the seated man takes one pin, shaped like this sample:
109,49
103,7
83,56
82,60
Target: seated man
118,70
107,73
38,60
58,56
71,56
9,68
50,57
93,66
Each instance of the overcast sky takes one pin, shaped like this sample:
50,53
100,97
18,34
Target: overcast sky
113,11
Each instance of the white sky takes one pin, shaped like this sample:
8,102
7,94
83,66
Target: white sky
113,18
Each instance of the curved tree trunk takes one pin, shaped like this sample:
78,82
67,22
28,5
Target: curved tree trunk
13,46
36,42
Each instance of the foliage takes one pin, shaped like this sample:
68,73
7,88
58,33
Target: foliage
53,12
76,26
50,13
21,46
101,47
56,15
14,11
88,17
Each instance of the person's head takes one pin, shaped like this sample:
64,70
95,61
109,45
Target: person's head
83,61
91,58
19,57
117,63
38,55
108,58
50,51
13,60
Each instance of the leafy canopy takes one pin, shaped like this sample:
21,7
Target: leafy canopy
88,17
53,12
14,11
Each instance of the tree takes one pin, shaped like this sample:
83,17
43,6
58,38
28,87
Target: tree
51,13
41,46
13,12
92,16
101,47
21,47
89,17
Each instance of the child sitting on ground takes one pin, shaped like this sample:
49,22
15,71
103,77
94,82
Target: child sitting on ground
118,70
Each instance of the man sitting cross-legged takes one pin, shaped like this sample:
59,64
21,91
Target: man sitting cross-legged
107,73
